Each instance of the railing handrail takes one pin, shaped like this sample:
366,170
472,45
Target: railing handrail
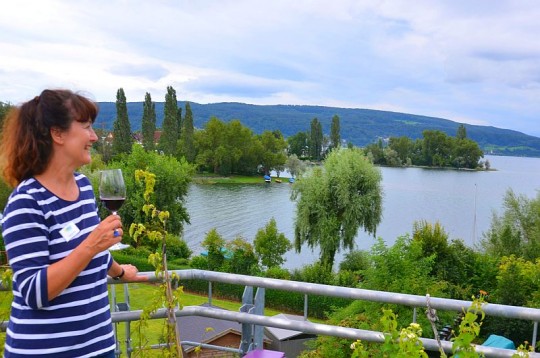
448,304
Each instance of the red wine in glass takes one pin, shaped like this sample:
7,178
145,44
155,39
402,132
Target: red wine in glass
112,190
112,204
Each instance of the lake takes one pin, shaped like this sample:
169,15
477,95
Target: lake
462,201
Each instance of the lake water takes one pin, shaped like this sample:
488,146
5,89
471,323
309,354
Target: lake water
462,201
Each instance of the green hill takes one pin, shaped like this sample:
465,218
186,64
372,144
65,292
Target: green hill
358,126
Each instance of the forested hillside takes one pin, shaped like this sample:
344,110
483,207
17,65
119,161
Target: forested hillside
358,126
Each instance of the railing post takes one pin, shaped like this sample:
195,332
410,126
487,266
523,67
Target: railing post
117,350
305,307
247,328
258,331
414,315
210,293
128,323
535,332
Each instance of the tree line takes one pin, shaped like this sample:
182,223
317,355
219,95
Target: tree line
219,147
226,148
434,149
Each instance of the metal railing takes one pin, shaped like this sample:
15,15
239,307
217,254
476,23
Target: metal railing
253,317
257,320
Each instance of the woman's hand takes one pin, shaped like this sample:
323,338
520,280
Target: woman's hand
130,274
106,234
126,273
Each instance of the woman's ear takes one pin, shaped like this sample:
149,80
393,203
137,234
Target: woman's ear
57,135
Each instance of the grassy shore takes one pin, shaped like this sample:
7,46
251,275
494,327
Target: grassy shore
231,179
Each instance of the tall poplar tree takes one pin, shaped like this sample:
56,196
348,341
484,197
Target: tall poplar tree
335,136
316,139
461,132
122,139
148,123
169,129
188,145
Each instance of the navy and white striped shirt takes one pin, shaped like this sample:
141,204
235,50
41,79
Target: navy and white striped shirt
77,323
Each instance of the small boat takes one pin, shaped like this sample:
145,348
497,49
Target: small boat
267,178
278,180
291,180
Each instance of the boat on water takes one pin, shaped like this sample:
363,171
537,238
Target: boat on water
267,178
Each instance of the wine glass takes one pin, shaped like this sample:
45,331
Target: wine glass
112,190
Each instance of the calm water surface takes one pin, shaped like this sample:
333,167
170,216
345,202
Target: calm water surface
463,202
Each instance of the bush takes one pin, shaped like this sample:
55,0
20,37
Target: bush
355,261
199,262
346,279
315,273
124,258
279,273
177,248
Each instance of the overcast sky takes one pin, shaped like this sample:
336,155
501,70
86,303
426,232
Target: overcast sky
468,61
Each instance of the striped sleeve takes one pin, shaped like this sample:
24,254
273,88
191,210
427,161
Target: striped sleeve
26,239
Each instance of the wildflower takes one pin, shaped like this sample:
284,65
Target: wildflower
415,327
483,293
353,345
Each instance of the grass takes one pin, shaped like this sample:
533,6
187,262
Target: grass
207,178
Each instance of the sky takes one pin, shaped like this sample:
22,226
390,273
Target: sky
469,61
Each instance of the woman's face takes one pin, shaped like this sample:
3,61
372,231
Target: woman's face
78,141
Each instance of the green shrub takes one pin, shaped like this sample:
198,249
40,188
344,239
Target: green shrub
177,248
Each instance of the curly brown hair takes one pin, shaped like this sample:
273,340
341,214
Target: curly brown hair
26,143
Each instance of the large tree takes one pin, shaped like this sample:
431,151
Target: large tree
271,245
315,139
335,135
298,144
436,148
295,165
148,123
172,180
461,132
466,153
334,201
227,148
188,144
169,129
122,139
403,147
274,146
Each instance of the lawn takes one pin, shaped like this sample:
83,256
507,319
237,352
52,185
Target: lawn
231,179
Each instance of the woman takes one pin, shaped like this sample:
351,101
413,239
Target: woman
56,245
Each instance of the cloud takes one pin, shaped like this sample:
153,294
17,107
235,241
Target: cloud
473,61
152,72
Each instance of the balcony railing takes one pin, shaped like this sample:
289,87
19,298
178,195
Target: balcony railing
251,318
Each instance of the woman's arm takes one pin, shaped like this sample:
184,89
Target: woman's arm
62,273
